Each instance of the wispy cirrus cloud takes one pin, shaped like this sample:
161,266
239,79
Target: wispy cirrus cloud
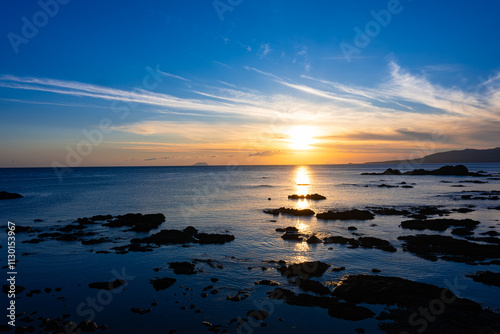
401,108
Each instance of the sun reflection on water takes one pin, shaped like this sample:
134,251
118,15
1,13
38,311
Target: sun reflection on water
302,185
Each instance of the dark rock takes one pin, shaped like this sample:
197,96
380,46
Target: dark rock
279,293
462,231
137,221
101,217
188,235
486,277
473,181
50,235
107,285
239,297
289,211
214,280
386,186
337,269
213,238
417,216
18,289
304,269
314,240
458,315
335,308
371,242
439,224
315,197
463,210
346,215
341,240
71,228
459,170
95,241
491,233
432,247
352,228
388,171
292,236
182,268
190,230
140,310
267,282
287,229
258,315
24,329
23,229
88,326
162,283
7,195
431,211
313,286
376,271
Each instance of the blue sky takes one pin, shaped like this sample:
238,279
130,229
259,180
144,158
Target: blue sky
222,80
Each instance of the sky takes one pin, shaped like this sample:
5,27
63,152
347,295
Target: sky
159,83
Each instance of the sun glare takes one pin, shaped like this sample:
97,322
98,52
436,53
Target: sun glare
301,137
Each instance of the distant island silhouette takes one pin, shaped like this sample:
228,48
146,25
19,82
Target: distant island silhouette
204,164
459,156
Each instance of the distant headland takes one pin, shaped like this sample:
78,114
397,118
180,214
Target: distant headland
459,156
198,164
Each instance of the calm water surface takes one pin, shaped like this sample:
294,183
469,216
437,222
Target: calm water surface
218,200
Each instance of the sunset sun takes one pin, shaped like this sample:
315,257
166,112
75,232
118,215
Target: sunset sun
301,137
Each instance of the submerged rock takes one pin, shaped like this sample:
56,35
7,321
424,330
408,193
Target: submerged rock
346,215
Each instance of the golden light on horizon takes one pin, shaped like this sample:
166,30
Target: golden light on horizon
301,137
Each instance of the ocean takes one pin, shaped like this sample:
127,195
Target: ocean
225,199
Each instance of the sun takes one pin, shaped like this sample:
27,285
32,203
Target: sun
301,137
